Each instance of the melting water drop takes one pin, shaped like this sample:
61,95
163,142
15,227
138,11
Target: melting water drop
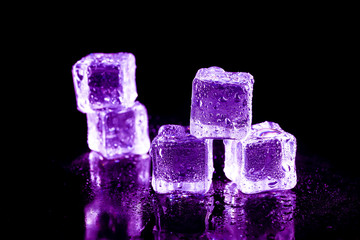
272,184
227,121
267,132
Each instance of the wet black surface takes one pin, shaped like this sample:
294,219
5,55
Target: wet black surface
103,199
304,80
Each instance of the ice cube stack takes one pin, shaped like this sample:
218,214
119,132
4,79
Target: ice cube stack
105,90
258,157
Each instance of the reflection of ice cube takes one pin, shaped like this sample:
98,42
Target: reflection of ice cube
118,218
221,104
268,215
264,161
114,132
181,161
121,174
120,208
182,216
104,80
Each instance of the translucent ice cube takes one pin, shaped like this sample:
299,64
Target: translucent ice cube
103,80
263,161
221,104
181,161
114,132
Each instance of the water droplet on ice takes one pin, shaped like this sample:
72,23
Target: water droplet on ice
200,103
223,99
272,184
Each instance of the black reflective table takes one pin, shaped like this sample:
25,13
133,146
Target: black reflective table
104,199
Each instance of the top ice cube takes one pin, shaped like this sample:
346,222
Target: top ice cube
104,80
221,105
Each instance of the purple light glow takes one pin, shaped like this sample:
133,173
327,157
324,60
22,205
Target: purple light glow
263,161
221,104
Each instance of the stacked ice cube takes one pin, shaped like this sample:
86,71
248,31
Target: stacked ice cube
221,104
105,90
258,158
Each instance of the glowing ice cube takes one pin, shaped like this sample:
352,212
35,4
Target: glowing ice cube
181,161
264,161
117,131
221,104
104,80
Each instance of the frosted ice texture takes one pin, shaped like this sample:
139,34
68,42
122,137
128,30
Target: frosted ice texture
264,161
104,80
117,131
181,161
221,104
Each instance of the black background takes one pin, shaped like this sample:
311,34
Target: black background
303,60
303,64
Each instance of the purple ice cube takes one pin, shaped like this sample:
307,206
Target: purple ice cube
263,161
221,104
117,131
181,161
103,80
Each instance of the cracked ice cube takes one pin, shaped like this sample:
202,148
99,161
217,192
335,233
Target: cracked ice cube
104,80
114,132
181,161
263,161
221,104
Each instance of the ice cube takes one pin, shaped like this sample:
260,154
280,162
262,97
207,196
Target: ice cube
263,161
181,161
221,104
104,80
117,131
